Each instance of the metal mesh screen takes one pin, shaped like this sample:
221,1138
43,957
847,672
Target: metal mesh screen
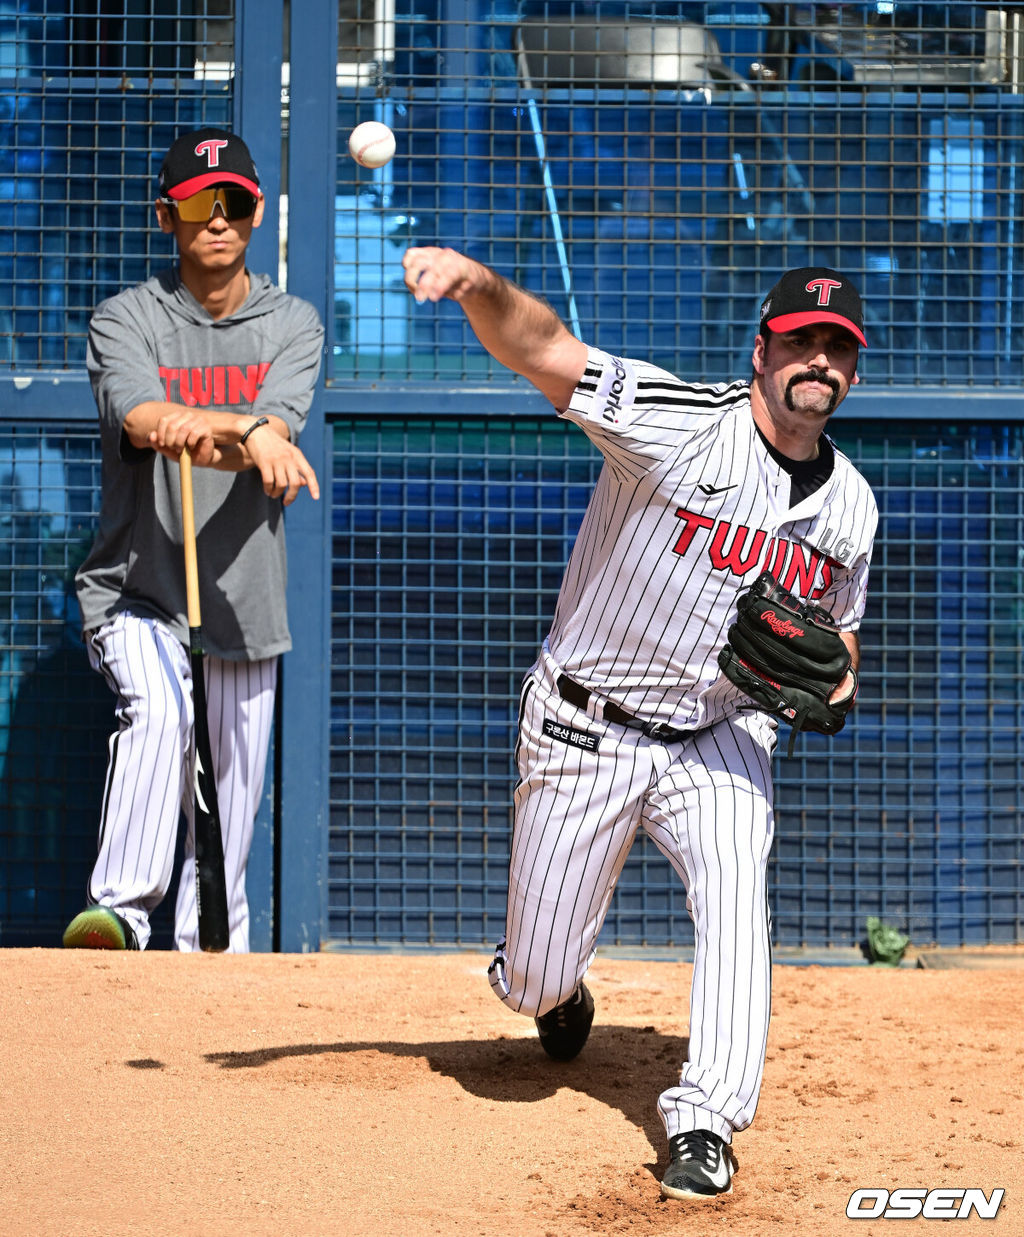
90,96
55,712
651,168
448,551
449,546
929,804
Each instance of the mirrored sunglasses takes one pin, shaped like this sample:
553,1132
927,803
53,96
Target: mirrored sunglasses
234,202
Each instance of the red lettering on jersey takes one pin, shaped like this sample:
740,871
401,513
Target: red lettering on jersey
202,386
693,522
826,580
168,376
185,395
795,566
216,385
243,385
733,559
800,572
774,563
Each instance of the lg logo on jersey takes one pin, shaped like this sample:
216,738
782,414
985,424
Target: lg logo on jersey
908,1204
840,551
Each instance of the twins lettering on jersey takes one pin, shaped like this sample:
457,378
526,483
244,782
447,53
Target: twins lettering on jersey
217,385
736,548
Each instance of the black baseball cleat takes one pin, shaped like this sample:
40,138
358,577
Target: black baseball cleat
563,1030
98,927
700,1166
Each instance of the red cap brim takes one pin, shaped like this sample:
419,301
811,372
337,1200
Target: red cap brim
207,180
792,322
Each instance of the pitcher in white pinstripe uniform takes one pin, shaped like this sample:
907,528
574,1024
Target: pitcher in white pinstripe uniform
215,358
625,719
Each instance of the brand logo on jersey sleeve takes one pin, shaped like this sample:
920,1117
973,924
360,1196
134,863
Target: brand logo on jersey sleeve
615,391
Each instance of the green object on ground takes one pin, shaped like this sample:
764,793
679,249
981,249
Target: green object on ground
886,945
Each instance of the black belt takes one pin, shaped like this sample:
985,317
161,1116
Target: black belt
578,695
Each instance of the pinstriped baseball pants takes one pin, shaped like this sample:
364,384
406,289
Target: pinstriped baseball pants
150,773
706,805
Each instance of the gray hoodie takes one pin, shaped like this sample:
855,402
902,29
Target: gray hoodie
156,342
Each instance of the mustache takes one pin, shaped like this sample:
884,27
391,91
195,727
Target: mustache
813,375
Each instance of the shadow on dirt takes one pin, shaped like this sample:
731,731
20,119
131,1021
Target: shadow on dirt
623,1067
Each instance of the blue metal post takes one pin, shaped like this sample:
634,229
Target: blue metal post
259,31
305,713
257,118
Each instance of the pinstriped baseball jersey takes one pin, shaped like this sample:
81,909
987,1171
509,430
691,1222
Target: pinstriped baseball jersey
626,724
690,507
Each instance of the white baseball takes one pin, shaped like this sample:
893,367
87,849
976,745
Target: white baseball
371,144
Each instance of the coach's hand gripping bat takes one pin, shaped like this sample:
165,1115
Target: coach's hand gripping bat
211,890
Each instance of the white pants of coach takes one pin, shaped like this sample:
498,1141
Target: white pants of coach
150,773
706,805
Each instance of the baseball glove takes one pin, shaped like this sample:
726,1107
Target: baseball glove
787,655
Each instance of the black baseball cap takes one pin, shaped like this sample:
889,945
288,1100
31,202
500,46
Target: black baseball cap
207,157
813,294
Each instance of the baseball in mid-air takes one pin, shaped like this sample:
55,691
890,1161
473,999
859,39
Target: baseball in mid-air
371,144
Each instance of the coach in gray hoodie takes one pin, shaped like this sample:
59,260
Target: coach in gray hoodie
211,357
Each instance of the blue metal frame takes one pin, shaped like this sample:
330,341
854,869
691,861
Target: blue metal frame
450,536
259,56
258,60
305,677
931,404
50,396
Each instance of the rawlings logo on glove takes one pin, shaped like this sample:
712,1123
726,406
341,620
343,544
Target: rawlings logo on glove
781,627
788,657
